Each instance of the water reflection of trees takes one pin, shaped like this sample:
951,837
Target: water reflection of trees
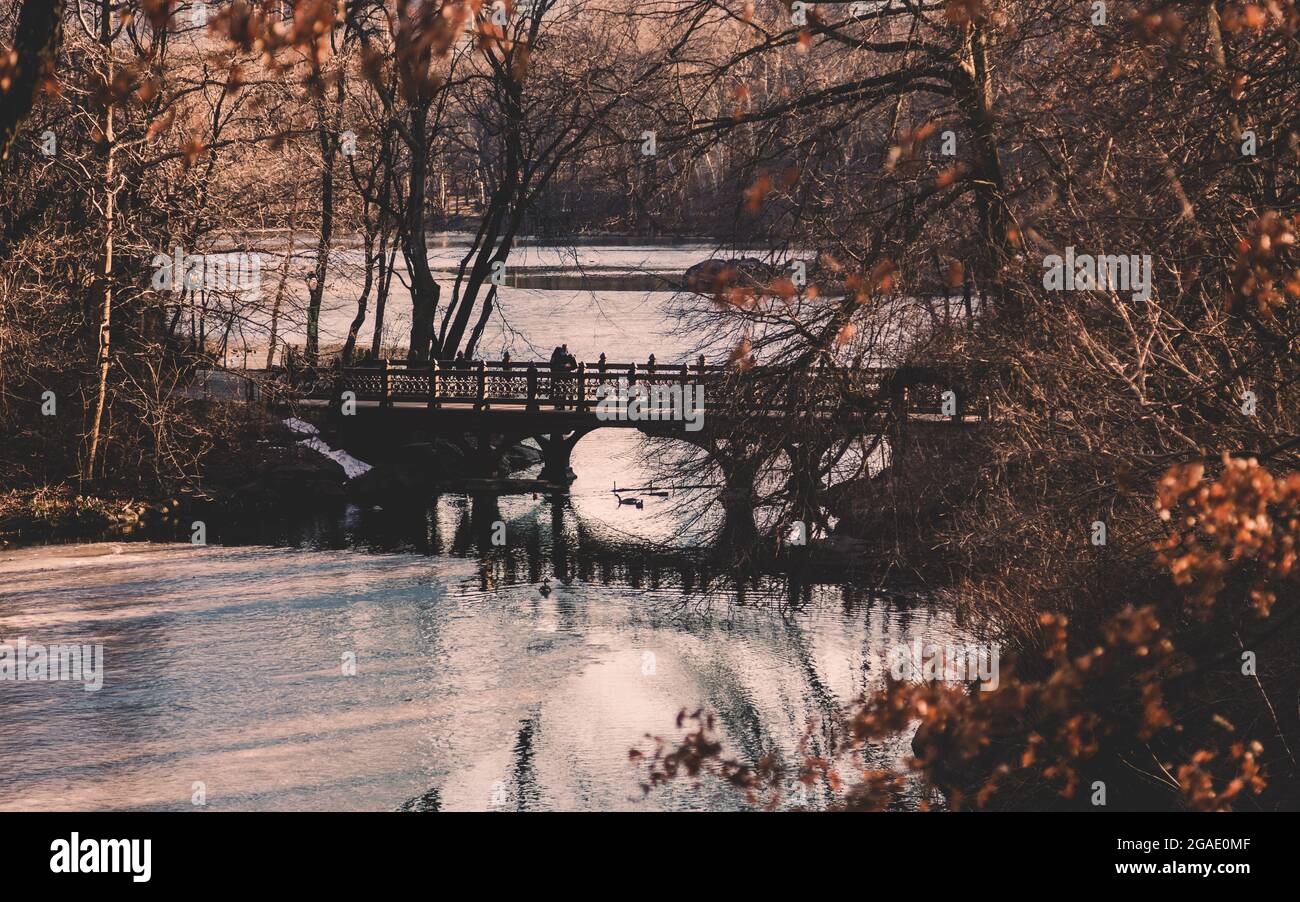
680,591
550,541
558,544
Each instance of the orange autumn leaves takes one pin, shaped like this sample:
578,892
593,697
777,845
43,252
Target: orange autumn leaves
974,745
8,68
1196,780
905,159
880,279
764,184
253,28
742,355
1247,16
966,12
423,34
1073,709
433,28
1266,274
1245,518
1158,24
734,288
970,745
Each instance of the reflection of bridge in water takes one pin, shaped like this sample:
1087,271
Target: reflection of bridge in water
677,595
551,542
695,596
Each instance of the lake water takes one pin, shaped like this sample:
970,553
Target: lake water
472,691
624,323
486,678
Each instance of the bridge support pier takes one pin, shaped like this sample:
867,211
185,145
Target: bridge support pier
485,451
557,450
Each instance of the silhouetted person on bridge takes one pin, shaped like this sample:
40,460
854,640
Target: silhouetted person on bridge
562,363
557,376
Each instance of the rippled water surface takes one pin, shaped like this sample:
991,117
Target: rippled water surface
473,689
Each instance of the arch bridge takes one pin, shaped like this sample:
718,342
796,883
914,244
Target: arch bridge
490,406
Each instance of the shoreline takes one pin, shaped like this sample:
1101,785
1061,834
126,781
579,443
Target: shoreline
80,519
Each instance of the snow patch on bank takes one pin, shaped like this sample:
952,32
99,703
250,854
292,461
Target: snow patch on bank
352,467
302,427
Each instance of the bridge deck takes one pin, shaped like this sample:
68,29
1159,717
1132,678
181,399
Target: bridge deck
569,418
629,394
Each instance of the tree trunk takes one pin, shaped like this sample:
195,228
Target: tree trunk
36,43
326,139
350,345
424,288
976,103
386,260
110,196
284,278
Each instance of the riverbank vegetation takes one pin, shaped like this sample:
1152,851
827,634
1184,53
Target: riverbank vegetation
1121,520
1143,144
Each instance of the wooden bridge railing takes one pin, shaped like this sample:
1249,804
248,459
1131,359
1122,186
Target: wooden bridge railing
534,386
